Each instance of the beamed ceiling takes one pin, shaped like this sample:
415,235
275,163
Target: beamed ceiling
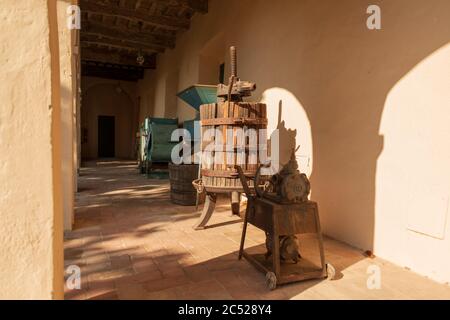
114,32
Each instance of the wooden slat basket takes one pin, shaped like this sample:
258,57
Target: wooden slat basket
221,151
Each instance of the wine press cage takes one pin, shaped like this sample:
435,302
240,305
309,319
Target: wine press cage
221,151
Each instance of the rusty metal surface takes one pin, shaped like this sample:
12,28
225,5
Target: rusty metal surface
227,173
227,148
281,223
234,122
236,88
289,186
216,189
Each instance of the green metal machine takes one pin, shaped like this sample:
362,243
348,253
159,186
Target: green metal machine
155,142
195,96
198,94
154,139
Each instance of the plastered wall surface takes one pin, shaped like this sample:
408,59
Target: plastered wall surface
30,212
67,111
369,107
413,170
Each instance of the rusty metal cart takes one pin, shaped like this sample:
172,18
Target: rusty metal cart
282,222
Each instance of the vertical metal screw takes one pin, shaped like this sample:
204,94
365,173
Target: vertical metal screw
233,61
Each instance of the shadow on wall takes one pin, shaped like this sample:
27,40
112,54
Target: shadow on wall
107,100
293,124
413,171
343,73
411,176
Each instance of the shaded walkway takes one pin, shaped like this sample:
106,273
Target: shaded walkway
132,243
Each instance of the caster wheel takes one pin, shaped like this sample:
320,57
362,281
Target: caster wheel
271,280
331,271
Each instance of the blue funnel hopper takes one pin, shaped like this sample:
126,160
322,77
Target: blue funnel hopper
199,94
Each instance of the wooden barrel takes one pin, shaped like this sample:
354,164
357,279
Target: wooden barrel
222,150
181,190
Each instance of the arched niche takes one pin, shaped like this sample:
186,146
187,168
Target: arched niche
107,99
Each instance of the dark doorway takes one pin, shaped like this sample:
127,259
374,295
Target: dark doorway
222,73
106,137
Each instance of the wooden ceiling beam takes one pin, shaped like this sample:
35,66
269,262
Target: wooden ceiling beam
114,49
200,6
119,43
110,71
138,4
135,15
90,27
89,53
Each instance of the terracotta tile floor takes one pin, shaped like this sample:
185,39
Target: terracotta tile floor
132,243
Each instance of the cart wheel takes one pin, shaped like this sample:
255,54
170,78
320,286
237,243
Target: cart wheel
271,280
331,271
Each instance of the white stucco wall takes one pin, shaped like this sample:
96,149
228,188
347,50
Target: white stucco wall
31,264
67,112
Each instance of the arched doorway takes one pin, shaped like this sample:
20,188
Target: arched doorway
107,122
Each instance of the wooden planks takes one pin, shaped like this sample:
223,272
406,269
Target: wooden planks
165,22
230,136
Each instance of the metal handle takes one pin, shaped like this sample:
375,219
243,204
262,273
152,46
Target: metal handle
258,190
198,185
244,182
